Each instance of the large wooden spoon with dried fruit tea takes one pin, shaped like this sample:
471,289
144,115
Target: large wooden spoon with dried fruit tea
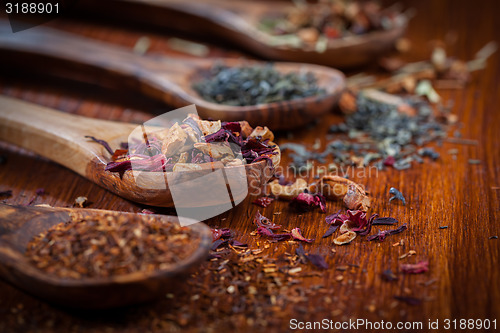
18,225
61,137
168,79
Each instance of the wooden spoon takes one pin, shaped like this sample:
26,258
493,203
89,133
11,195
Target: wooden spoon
18,225
164,78
238,22
61,137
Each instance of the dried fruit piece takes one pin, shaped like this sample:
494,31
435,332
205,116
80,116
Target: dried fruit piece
263,132
216,150
345,238
174,140
287,192
209,127
356,199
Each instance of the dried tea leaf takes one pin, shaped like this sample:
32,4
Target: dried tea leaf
397,195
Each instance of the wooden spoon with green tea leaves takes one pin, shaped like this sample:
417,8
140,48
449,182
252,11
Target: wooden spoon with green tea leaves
241,23
18,226
167,79
62,138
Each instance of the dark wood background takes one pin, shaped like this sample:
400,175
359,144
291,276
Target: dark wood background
463,281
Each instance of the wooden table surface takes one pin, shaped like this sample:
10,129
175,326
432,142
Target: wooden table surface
464,275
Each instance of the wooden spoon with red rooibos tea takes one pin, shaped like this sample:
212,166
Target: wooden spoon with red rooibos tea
19,225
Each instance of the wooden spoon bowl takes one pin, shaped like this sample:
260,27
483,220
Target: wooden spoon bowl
18,225
167,79
60,137
238,22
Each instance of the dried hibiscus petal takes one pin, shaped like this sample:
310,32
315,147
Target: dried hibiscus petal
307,201
420,267
262,221
220,233
384,221
315,259
263,201
381,234
318,261
102,143
297,235
263,231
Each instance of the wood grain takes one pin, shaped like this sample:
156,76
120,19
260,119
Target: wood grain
449,192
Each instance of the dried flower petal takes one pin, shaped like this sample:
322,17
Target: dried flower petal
263,201
381,234
81,201
345,238
318,261
220,233
262,221
384,221
101,142
297,235
263,231
307,201
315,259
420,267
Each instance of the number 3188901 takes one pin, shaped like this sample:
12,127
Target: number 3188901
31,8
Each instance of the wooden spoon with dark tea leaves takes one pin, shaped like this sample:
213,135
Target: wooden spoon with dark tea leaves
61,137
18,225
164,78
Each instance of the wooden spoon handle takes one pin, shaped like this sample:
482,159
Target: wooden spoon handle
94,61
55,135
